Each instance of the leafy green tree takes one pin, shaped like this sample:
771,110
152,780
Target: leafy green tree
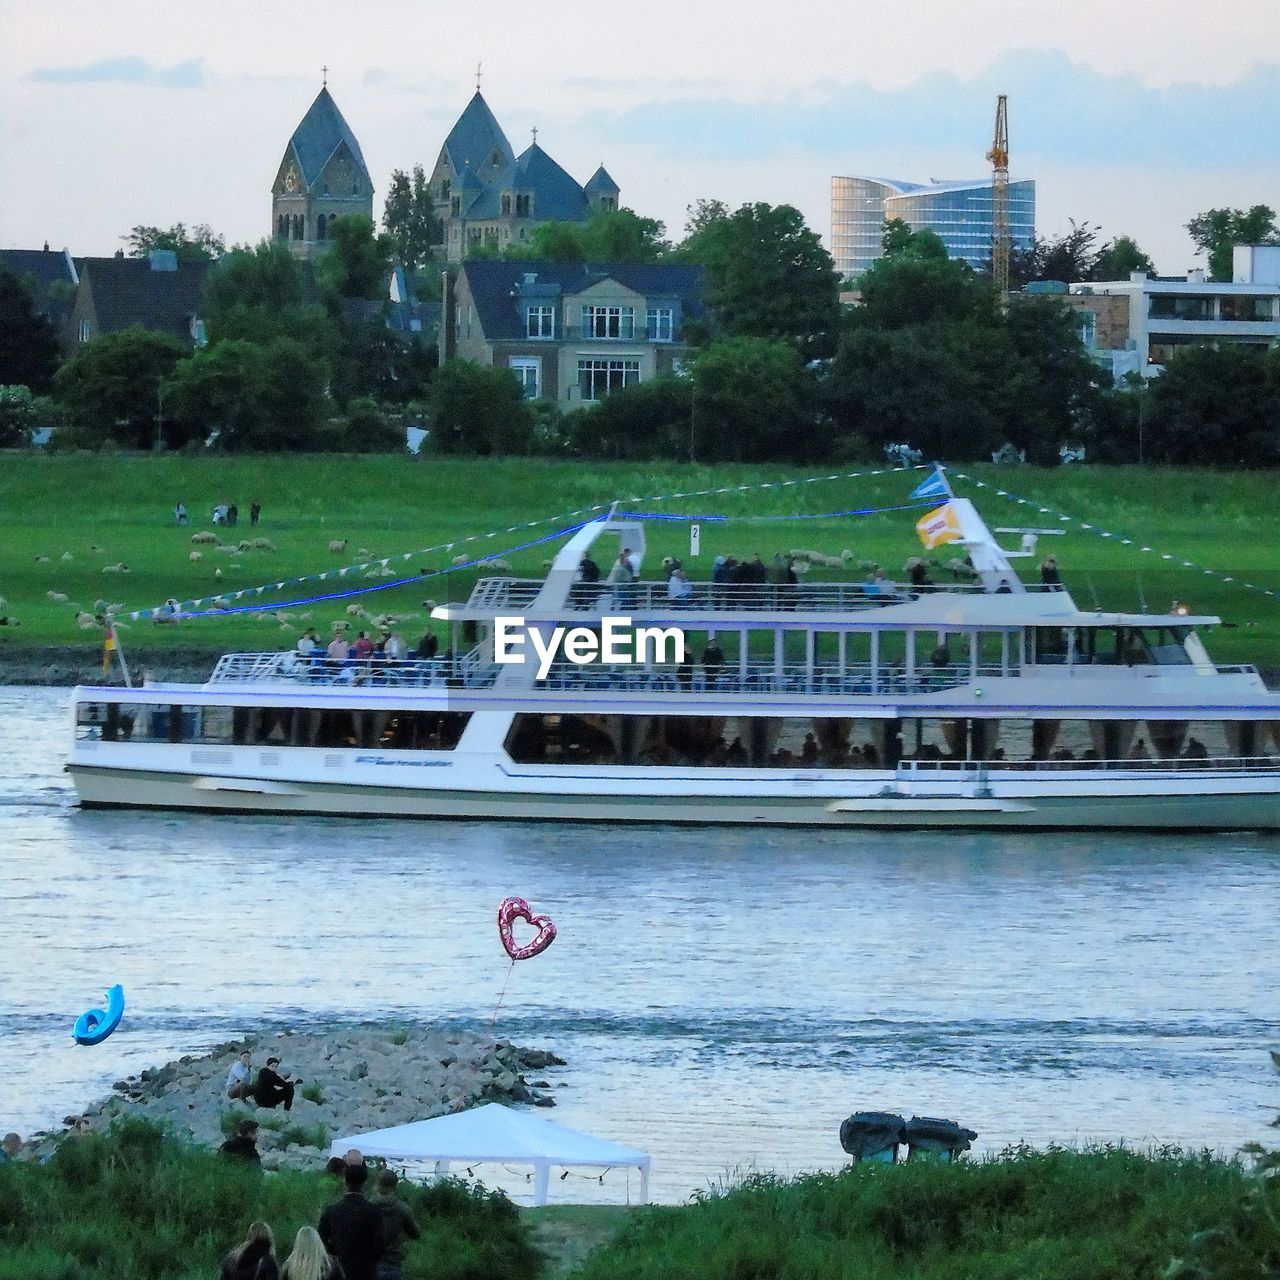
261,293
768,275
609,235
1216,233
751,404
357,263
645,420
1070,257
905,289
478,409
258,397
409,218
200,242
365,429
18,416
28,342
1118,258
1216,405
554,242
898,240
110,387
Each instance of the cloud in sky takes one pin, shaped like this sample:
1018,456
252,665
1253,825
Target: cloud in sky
1059,111
130,70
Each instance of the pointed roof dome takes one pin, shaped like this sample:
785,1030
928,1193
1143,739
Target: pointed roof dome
601,183
556,194
475,137
322,131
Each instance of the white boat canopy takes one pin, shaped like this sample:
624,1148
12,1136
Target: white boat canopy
497,1134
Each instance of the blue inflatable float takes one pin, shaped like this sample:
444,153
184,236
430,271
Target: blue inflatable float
95,1025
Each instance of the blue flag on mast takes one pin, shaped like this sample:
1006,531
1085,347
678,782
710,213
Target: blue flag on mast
935,486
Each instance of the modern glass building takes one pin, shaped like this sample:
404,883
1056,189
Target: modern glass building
959,212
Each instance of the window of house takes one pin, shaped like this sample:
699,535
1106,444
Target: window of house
660,322
1088,328
540,322
596,378
320,227
523,204
455,205
83,331
473,235
608,322
529,370
608,202
506,204
1173,306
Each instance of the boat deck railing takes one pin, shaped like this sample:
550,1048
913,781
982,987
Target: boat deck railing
943,770
468,671
496,595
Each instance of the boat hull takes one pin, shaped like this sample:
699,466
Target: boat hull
1241,802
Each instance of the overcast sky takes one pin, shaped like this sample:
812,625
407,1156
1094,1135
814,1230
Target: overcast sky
1135,115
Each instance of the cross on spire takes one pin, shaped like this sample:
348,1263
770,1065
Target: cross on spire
324,71
478,77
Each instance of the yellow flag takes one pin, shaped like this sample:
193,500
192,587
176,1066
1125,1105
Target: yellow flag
108,648
938,526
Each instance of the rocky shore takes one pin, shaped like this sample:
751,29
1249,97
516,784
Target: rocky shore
353,1079
72,664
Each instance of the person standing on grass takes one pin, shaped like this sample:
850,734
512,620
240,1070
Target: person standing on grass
271,1088
310,1260
351,1227
255,510
255,1259
397,1227
180,513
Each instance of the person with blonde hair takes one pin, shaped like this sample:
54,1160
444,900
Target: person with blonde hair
310,1260
255,1259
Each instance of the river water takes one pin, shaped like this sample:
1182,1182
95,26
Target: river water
723,997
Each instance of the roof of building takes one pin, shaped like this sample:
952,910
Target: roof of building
497,286
475,136
601,181
555,194
129,291
39,269
320,134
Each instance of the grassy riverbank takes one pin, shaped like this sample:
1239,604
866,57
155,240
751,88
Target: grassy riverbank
66,520
135,1203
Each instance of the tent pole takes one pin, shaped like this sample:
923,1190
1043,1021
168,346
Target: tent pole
541,1176
644,1183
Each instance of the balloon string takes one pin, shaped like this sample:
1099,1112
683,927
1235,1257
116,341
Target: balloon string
502,995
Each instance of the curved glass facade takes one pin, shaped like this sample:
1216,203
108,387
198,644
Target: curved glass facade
959,212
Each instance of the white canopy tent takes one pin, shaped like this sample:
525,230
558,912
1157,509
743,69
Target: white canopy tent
494,1133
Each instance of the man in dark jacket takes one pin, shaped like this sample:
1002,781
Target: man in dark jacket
397,1227
244,1146
271,1088
351,1227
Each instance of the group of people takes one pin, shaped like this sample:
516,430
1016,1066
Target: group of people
269,1089
389,646
224,513
356,1238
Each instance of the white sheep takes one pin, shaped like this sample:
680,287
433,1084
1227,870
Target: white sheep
121,567
42,560
85,620
204,536
244,544
338,545
195,556
263,544
355,611
460,560
363,551
57,597
66,557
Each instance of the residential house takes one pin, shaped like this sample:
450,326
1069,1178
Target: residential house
571,332
160,292
49,275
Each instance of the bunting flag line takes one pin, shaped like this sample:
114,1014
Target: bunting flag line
1165,557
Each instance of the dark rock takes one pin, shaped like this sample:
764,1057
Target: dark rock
544,1100
359,1070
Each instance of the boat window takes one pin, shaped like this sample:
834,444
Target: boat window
1050,646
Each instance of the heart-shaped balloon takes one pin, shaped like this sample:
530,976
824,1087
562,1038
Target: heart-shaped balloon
513,909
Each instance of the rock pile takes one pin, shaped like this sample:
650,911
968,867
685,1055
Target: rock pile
352,1080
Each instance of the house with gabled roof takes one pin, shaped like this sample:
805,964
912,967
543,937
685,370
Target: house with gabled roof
49,275
161,292
485,194
571,332
322,176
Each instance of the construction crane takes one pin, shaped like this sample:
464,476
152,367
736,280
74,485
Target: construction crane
1001,236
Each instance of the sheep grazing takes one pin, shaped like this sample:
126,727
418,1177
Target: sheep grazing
244,544
217,574
228,551
262,544
57,597
204,536
363,551
958,568
338,545
97,550
115,568
459,560
85,620
66,557
502,566
43,560
195,555
355,611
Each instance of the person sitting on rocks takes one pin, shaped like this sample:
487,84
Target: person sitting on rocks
238,1078
255,1259
397,1227
271,1088
244,1146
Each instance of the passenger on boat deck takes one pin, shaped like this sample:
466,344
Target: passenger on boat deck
1195,750
809,751
339,650
736,753
363,647
271,1088
238,1085
1140,751
392,646
712,662
588,570
941,656
918,573
679,588
308,643
633,561
1049,576
428,646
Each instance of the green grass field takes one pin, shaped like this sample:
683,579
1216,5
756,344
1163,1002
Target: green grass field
64,519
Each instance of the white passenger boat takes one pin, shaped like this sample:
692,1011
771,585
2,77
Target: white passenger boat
988,704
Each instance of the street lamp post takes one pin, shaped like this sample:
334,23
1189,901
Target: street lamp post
159,443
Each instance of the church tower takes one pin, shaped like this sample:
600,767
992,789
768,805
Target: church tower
321,177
